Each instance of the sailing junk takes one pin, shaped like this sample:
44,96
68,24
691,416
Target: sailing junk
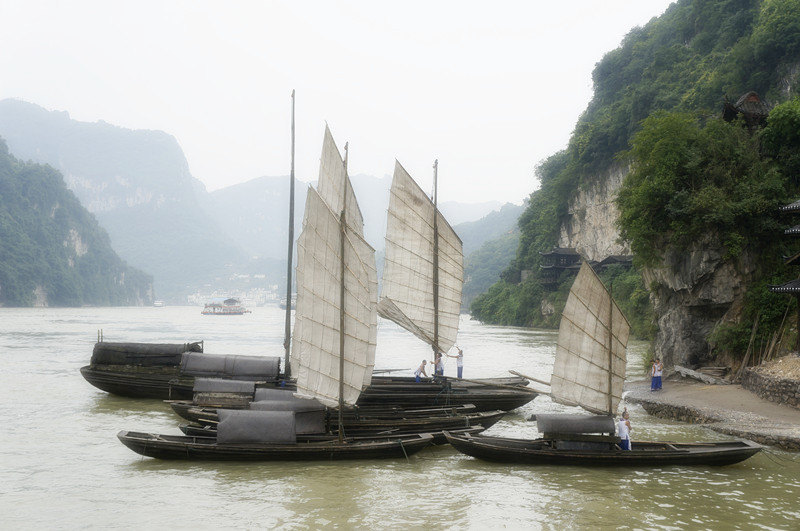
333,351
589,371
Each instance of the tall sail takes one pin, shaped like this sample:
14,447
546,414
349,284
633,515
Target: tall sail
316,348
585,370
407,289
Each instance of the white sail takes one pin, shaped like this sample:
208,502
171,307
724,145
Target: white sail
333,181
407,288
315,347
581,370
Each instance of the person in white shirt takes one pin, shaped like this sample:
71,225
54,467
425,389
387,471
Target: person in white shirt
625,430
459,362
655,372
421,371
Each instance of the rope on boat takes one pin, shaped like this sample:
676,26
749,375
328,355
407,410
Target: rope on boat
779,459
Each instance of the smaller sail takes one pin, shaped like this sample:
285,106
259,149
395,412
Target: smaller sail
333,181
582,366
407,288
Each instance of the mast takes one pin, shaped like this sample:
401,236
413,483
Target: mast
435,263
610,346
288,329
342,237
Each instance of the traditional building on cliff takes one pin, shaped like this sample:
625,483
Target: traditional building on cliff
562,259
749,106
556,261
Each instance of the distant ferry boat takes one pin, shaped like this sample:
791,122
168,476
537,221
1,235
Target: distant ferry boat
158,303
225,307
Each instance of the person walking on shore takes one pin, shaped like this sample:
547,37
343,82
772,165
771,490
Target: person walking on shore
459,362
655,372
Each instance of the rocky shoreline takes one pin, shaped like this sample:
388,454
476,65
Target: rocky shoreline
729,409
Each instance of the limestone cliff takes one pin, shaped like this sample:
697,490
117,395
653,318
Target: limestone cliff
693,292
591,224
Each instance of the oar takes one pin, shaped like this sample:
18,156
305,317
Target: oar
501,386
381,371
531,378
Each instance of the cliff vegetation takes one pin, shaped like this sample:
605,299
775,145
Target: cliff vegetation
656,103
52,251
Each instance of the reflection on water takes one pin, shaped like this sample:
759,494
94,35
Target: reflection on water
62,465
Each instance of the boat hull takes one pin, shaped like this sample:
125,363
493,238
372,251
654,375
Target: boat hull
207,448
196,430
134,383
374,424
166,383
543,452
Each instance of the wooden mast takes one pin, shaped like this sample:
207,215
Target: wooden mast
435,265
610,348
342,236
288,328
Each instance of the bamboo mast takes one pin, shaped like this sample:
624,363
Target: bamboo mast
342,236
435,264
288,328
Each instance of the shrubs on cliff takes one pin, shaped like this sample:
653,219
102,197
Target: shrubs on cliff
693,176
690,178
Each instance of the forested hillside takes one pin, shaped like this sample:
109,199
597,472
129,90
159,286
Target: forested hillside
52,251
138,185
657,109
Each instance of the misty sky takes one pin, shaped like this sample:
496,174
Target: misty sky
488,88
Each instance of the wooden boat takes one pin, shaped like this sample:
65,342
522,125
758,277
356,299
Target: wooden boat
547,452
207,448
380,422
198,430
191,410
589,372
167,383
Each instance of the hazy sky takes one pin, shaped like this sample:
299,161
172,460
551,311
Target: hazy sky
488,88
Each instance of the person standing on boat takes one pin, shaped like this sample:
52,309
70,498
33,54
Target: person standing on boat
624,427
421,371
459,362
438,365
655,373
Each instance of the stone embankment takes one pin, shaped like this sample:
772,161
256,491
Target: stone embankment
728,409
777,381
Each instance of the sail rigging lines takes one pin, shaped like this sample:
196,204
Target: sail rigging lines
407,292
585,372
317,351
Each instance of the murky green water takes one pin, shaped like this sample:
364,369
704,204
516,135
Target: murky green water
61,465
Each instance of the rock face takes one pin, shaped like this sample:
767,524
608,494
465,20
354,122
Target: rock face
591,225
693,292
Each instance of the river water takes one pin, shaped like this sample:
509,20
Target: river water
61,465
